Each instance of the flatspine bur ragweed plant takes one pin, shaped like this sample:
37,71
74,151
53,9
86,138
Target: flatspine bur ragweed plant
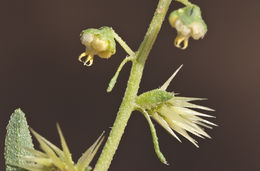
176,114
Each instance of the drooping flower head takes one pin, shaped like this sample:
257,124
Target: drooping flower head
189,23
55,159
98,42
174,113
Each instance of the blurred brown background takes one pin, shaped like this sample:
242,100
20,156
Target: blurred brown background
39,72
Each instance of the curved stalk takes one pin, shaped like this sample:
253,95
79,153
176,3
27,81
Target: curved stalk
114,78
123,44
128,103
154,137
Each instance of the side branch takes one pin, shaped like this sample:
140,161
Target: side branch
127,105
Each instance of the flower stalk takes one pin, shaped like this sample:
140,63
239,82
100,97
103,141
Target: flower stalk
123,44
128,104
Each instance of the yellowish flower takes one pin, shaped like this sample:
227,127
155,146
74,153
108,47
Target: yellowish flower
98,42
188,23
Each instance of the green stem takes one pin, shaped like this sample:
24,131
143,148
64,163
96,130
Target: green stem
154,137
128,103
114,78
123,44
185,2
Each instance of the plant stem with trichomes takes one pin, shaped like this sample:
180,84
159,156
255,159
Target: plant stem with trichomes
128,103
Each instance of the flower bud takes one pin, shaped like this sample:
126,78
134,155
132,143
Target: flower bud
98,42
189,23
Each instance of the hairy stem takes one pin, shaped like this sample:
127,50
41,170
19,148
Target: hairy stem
123,44
128,103
114,78
154,137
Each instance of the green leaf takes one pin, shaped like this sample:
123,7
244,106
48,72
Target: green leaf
17,138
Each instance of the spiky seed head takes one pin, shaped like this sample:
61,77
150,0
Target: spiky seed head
52,158
175,113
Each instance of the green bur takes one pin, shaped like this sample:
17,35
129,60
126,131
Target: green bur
17,138
153,98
